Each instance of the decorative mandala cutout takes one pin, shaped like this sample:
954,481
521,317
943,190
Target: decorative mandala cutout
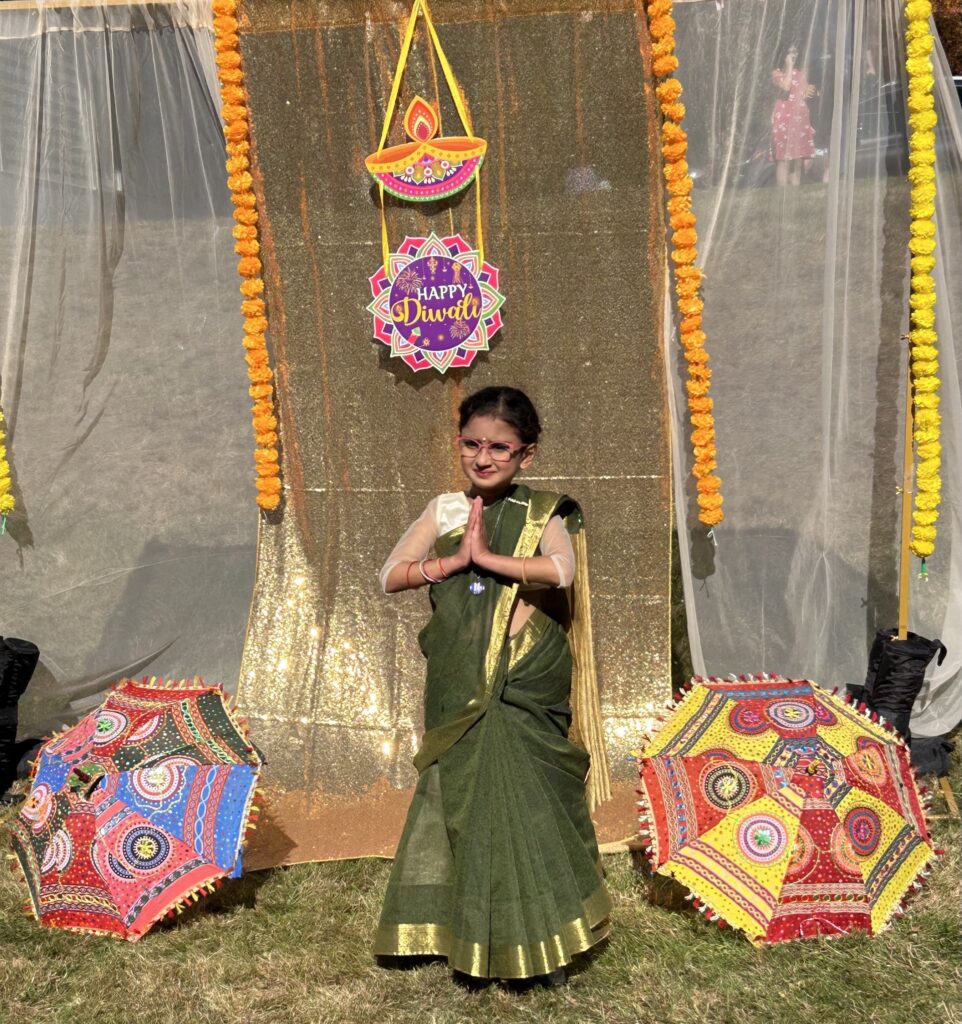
762,838
791,714
864,830
748,720
144,848
727,786
110,724
436,305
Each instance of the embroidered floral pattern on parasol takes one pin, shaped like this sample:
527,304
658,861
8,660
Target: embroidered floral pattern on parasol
786,812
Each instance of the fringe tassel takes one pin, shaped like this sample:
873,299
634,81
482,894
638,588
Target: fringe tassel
586,724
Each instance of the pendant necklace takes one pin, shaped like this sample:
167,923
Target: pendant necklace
477,586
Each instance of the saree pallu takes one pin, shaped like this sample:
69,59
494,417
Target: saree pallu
498,867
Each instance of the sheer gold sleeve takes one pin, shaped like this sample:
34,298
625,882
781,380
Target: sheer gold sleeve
556,544
415,544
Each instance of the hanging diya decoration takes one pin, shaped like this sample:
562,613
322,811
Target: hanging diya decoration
436,302
427,167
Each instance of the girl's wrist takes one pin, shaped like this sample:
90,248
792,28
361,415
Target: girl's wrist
482,559
453,564
487,560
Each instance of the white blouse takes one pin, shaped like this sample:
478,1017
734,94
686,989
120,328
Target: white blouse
446,512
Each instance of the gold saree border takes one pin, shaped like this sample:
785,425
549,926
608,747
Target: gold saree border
587,720
541,506
481,960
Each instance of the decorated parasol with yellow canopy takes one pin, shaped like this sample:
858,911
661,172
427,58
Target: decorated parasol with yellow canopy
786,812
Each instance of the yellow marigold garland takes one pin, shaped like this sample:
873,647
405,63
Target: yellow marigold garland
684,255
922,334
7,502
247,247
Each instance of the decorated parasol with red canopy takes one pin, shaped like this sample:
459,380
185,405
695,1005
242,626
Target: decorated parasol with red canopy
138,809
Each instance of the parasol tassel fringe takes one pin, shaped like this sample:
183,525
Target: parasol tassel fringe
704,908
915,886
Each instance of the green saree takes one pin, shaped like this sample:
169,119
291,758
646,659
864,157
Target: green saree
497,868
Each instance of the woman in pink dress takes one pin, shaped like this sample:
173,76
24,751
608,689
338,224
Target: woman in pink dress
793,137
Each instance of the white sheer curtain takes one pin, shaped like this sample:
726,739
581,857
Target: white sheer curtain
121,370
805,300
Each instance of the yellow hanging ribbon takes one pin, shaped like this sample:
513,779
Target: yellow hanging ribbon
421,7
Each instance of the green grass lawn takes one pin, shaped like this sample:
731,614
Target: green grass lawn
292,945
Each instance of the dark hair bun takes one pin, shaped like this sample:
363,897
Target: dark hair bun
507,404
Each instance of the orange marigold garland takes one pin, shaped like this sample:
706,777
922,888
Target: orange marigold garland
239,180
684,254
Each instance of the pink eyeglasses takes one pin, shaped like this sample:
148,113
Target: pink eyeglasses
500,451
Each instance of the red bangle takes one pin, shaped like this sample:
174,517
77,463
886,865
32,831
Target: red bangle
407,575
444,575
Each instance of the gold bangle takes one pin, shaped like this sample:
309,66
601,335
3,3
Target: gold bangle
524,578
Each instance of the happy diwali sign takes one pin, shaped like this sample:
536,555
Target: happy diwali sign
437,304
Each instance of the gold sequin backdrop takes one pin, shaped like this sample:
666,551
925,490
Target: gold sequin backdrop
332,675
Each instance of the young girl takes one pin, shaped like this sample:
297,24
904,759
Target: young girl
497,868
793,137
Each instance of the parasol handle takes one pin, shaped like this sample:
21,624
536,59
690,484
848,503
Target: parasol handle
950,800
